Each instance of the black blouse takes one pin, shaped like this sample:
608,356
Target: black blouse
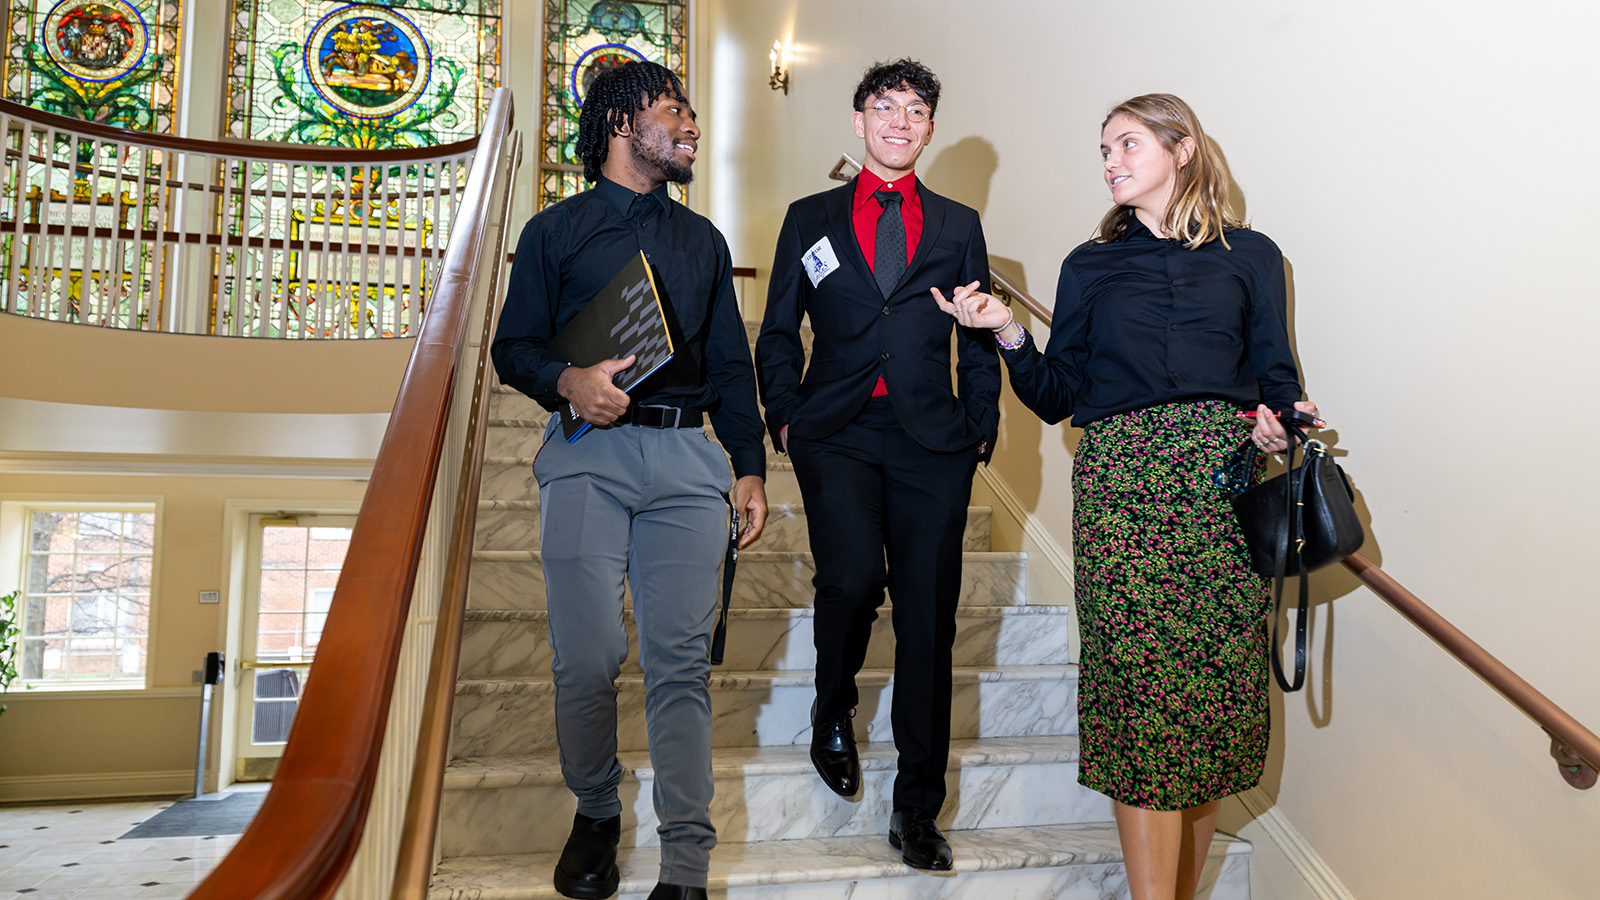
1144,322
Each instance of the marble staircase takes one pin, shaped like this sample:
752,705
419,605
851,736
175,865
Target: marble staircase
1020,825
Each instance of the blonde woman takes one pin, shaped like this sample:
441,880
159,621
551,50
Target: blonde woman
1169,330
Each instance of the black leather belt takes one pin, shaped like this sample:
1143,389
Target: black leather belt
662,417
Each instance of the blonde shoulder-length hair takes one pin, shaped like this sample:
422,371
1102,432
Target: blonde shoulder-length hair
1198,211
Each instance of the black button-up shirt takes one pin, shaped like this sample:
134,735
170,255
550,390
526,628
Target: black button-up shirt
1143,322
570,250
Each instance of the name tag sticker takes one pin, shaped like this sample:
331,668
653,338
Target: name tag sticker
819,261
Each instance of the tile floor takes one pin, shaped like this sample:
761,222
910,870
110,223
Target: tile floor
70,851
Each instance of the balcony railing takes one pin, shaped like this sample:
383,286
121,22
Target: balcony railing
120,229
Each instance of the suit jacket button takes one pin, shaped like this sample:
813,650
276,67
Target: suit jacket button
885,354
886,310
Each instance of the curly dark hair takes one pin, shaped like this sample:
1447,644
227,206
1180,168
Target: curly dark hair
904,74
614,97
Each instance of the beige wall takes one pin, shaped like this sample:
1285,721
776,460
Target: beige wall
61,363
209,427
191,423
1426,170
59,745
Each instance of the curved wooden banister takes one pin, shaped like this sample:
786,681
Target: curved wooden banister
308,829
334,156
414,865
1575,748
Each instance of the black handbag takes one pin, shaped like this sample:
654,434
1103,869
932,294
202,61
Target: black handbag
1294,524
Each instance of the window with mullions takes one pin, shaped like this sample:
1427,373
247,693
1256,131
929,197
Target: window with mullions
108,61
86,595
376,74
294,565
582,39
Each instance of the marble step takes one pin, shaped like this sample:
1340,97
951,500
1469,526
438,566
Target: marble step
510,403
500,806
500,643
495,717
511,478
771,579
1046,862
514,525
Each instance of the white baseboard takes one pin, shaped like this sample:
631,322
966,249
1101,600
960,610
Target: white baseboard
1293,847
22,789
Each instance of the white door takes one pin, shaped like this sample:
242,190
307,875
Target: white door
293,566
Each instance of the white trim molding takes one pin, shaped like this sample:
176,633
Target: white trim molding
26,788
1294,847
52,692
40,463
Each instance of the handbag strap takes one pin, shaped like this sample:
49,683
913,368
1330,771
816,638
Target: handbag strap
1293,516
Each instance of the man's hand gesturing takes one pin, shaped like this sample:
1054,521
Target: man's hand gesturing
592,393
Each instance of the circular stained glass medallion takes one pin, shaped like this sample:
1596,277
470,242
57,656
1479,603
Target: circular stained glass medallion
95,40
596,60
368,62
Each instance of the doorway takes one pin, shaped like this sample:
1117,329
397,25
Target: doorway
292,566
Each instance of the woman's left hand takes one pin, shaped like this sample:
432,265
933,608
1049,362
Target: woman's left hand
1269,434
972,307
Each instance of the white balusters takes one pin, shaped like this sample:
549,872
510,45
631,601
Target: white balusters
164,234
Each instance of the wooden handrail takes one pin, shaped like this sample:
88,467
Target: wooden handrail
414,866
333,156
303,839
1575,748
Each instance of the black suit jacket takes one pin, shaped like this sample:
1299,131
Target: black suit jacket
859,335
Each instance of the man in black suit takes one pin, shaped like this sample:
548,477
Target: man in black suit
883,449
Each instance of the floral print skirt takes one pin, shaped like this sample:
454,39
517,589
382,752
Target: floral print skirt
1172,702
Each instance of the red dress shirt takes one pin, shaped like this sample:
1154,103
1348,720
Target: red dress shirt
864,213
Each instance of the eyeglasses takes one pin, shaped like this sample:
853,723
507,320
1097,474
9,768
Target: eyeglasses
916,113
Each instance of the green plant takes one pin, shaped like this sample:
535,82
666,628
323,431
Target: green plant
8,643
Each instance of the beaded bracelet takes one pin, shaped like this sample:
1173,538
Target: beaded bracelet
1022,336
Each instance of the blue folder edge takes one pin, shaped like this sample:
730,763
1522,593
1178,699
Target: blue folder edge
584,428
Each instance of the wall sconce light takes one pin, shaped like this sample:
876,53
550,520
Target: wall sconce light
780,75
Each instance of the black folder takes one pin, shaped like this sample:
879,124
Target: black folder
624,318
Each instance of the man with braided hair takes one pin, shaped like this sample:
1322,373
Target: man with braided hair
637,499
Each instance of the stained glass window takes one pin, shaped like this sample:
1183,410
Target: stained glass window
582,39
382,73
108,61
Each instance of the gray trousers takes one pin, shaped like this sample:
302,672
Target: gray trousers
645,506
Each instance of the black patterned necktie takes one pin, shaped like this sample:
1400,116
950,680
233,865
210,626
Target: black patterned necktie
889,253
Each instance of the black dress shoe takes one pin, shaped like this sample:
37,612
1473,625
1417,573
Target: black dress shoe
588,866
914,834
833,752
666,891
